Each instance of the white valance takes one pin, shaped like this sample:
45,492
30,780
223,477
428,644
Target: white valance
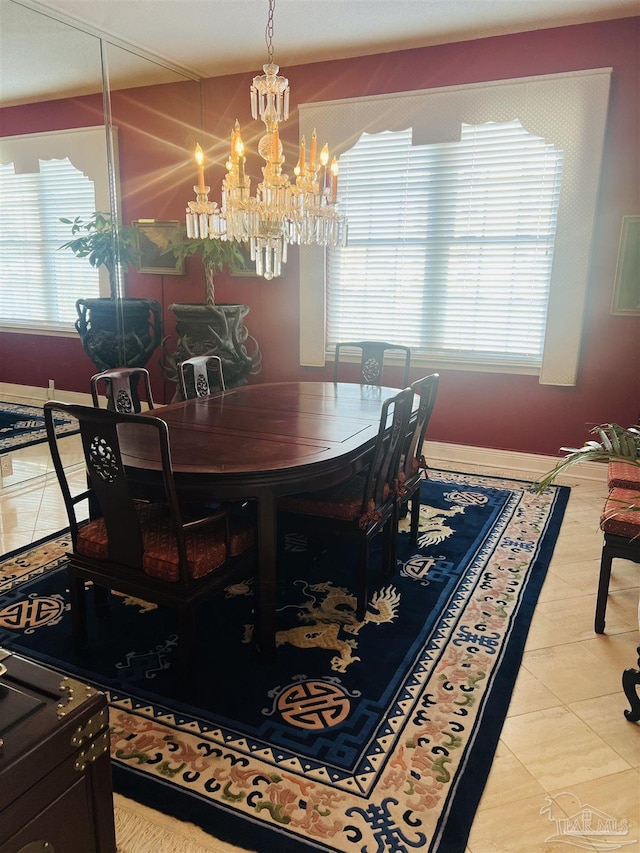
85,147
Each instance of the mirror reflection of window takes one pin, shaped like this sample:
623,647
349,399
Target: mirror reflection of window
49,181
31,206
45,177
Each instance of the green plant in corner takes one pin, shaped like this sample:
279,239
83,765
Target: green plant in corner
103,245
614,443
216,254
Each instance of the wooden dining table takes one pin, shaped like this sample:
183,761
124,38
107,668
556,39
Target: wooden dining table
260,442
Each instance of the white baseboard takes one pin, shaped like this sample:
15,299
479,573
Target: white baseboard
437,453
33,395
533,464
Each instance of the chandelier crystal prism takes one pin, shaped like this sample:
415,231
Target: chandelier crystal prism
282,212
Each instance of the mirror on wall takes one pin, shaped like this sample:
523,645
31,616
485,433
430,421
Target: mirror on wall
45,56
61,82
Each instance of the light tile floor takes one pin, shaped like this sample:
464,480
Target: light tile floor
566,747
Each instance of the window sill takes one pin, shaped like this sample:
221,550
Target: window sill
433,364
49,331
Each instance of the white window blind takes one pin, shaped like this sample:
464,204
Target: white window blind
45,176
39,283
452,254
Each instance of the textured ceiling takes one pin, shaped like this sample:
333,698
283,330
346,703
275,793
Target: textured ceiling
52,49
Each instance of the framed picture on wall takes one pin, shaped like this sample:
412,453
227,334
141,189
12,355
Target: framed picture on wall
154,236
626,290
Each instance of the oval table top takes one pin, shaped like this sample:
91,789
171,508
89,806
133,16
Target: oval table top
272,432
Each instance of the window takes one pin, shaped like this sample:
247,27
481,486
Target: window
457,214
39,284
44,177
453,257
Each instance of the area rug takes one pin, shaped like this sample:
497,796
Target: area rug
22,426
361,736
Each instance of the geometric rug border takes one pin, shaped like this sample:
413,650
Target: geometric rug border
37,435
451,836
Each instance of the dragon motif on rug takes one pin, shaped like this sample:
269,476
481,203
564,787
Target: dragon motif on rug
432,527
329,611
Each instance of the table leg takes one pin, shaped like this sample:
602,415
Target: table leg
267,581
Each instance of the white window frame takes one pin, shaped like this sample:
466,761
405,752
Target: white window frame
557,107
86,149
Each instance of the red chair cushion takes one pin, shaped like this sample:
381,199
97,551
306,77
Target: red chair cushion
242,536
617,517
206,548
623,475
343,502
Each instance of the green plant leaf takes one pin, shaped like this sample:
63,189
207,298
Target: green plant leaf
617,444
216,254
103,244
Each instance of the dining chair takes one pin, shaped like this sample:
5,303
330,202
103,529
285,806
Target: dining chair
372,356
363,505
194,376
145,549
120,386
620,523
413,466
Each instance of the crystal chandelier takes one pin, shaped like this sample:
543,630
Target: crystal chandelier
282,212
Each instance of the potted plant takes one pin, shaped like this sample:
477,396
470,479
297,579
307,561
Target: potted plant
115,331
616,444
211,328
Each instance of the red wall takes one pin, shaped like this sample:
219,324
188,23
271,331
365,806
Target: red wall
158,129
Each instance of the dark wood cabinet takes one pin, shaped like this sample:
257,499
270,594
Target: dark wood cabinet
55,773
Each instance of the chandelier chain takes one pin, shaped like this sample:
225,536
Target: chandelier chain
268,33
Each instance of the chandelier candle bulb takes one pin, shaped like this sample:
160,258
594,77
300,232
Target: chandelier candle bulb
334,181
303,156
200,164
240,161
324,159
312,153
232,151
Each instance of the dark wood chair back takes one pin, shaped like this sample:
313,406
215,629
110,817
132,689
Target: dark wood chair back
195,373
120,387
414,465
372,356
426,389
382,474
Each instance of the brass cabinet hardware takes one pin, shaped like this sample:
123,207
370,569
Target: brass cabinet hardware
99,746
77,693
91,728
